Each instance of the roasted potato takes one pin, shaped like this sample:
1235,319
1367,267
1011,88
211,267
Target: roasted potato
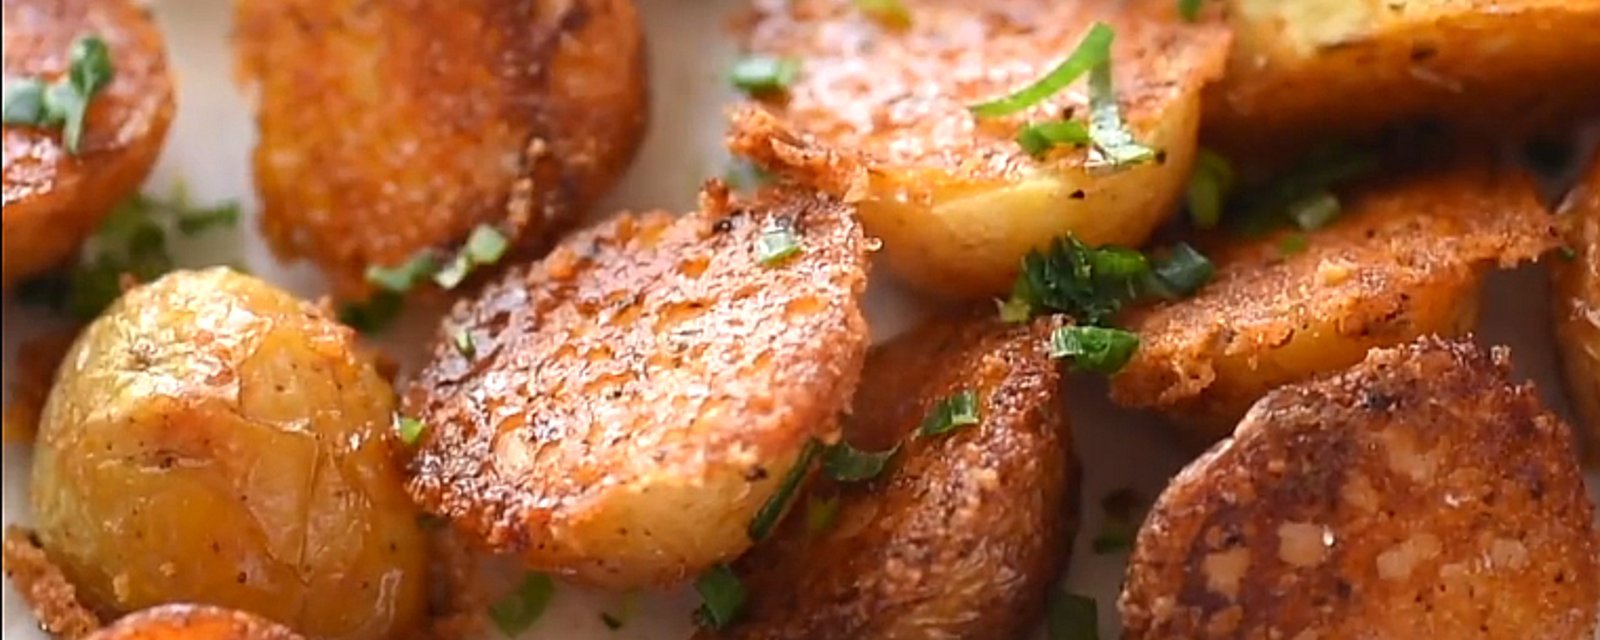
1417,495
390,128
1577,306
1492,66
963,533
194,622
617,412
53,197
880,114
1405,259
212,439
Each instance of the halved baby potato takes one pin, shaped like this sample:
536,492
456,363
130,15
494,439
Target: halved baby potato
1576,300
879,115
1419,494
619,411
390,128
54,198
194,622
1406,258
962,534
212,439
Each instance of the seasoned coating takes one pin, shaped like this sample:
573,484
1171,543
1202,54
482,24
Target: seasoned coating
212,439
1576,301
1417,495
47,592
1303,71
629,402
1405,259
961,536
194,622
388,128
880,115
53,199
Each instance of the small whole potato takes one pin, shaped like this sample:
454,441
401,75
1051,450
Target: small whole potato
1577,306
212,439
193,622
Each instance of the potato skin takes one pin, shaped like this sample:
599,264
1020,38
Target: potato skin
1417,495
212,439
633,399
880,116
393,127
963,534
53,199
194,622
1576,302
1405,259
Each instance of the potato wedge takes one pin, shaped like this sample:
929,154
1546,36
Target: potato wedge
1495,66
880,115
963,533
54,198
1417,495
390,128
212,439
194,622
1405,259
1576,301
617,412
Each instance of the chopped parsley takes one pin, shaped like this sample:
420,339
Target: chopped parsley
845,463
1114,145
484,247
1180,272
1124,510
1039,138
409,429
1209,186
402,277
1190,9
1097,349
1070,616
821,513
64,103
1093,284
759,75
374,314
958,410
518,610
1303,195
762,524
777,243
889,13
1314,211
1092,51
722,597
462,339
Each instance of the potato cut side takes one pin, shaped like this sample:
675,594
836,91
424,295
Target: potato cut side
879,114
1576,300
53,197
1303,71
194,622
627,404
391,128
1417,495
963,533
1405,259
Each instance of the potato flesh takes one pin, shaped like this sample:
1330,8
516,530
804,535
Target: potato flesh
1577,307
211,439
191,622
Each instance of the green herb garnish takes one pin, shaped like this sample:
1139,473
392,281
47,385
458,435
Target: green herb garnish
1293,243
1114,144
1097,349
1304,187
1190,9
821,513
1180,273
759,75
374,314
518,610
1092,51
65,102
890,13
1092,285
402,277
777,242
845,463
958,410
1039,138
1567,253
722,597
762,524
1314,211
409,429
1209,186
484,247
1072,617
462,339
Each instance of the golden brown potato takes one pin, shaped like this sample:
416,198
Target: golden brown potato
880,115
1577,306
1304,70
54,199
962,534
194,622
1417,495
212,439
1405,259
389,128
618,411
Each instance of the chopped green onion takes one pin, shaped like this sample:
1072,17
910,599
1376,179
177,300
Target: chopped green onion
1293,243
402,277
762,524
463,342
200,220
1303,185
1092,285
518,610
958,410
1567,253
1113,538
1072,617
409,429
1213,179
1039,138
758,75
1314,211
486,245
63,103
890,13
821,513
24,102
1182,272
777,243
845,463
1189,9
722,597
373,315
1114,145
1015,310
1097,349
1093,50
453,273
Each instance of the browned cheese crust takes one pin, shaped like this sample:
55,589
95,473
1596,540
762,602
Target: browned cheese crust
962,535
54,199
631,400
1577,306
1417,495
392,127
47,592
1405,259
194,622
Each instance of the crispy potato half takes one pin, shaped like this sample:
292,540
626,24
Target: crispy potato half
55,198
1488,65
880,114
619,411
391,128
194,622
963,533
1576,299
212,439
1405,259
1417,495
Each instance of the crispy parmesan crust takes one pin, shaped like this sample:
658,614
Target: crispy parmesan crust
1417,495
1577,306
632,399
47,592
194,622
